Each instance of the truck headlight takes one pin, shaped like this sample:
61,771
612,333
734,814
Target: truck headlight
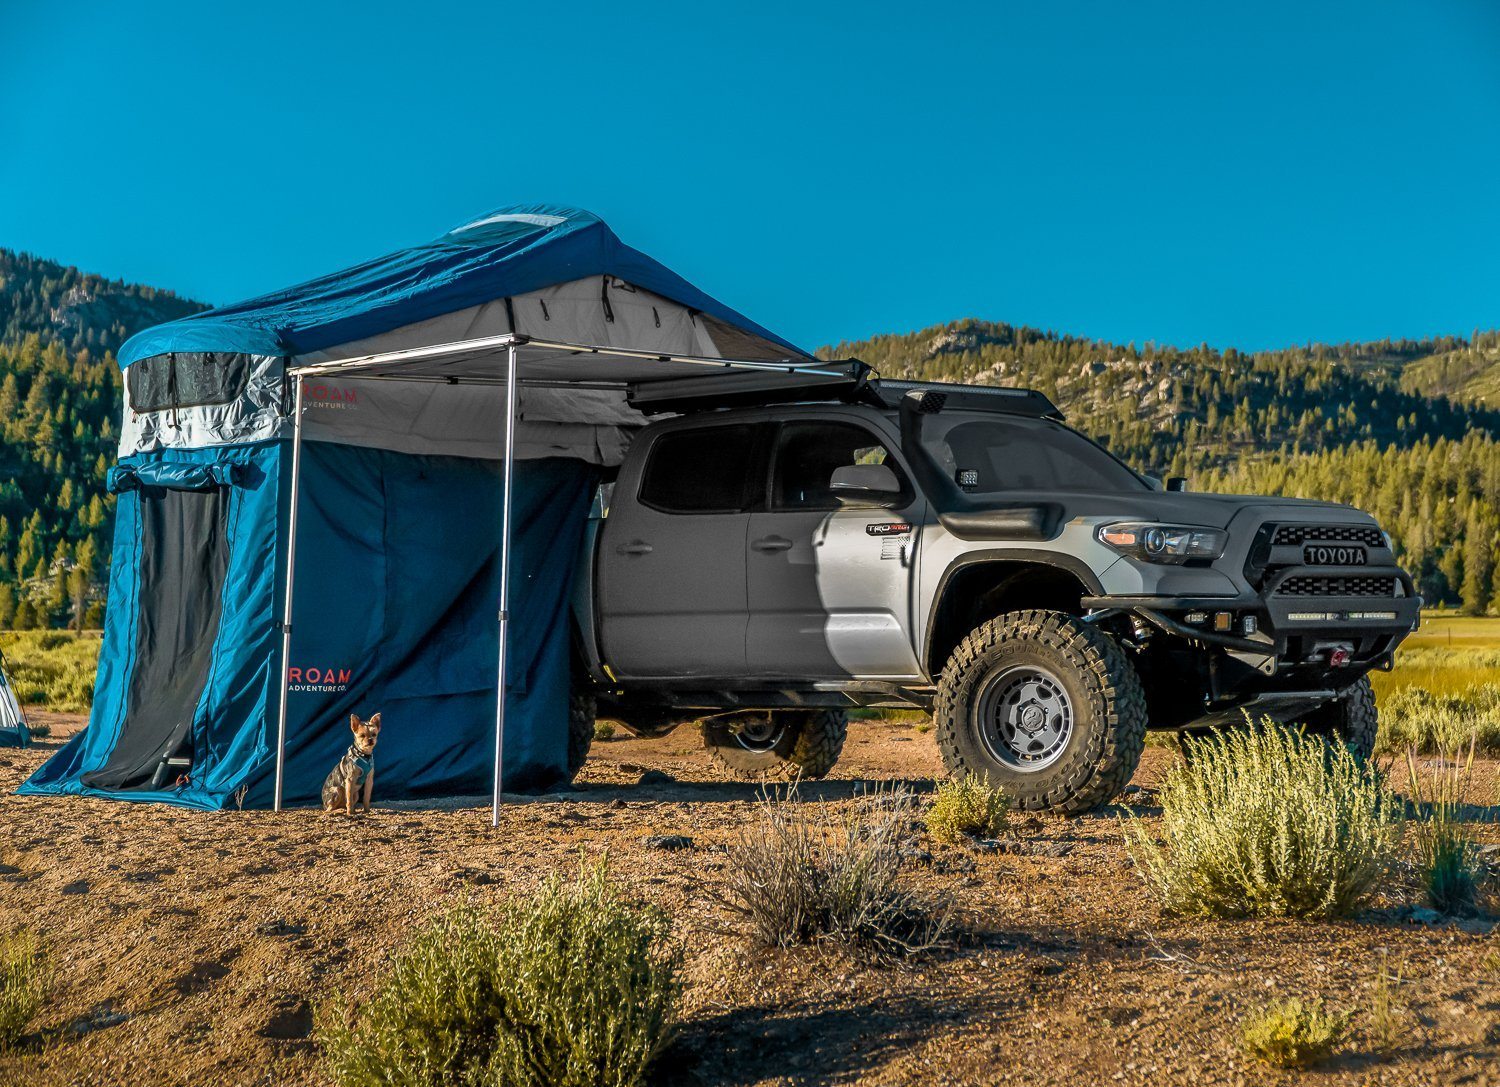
1153,542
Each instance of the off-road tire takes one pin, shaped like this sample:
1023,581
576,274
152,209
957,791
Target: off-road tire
1352,720
1109,729
581,710
808,747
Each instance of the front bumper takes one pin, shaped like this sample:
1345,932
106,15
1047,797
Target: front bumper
1292,630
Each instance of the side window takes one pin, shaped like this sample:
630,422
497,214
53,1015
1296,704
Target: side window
808,453
186,380
707,470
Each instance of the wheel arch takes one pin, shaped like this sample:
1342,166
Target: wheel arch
977,587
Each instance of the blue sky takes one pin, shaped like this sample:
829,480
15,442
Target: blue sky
1256,175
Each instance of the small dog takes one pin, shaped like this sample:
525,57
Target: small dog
355,770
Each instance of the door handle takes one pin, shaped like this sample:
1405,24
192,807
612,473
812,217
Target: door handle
772,543
635,547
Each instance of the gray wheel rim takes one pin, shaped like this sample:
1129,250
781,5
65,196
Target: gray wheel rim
1025,718
760,736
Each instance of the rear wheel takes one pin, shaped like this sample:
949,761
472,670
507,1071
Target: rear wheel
1351,719
1045,707
778,743
581,711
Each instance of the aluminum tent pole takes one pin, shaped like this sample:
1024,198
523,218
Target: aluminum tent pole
286,607
510,449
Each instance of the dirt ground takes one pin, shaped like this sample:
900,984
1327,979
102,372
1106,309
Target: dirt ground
190,947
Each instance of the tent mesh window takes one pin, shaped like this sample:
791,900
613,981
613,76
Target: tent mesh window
187,380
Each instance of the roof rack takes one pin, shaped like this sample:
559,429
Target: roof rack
849,381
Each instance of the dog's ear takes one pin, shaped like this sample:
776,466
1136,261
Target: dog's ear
354,722
374,722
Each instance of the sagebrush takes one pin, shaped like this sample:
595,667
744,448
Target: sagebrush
1416,718
1266,821
1293,1033
967,808
25,976
803,873
572,987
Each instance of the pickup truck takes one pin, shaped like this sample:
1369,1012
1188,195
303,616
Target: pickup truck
762,568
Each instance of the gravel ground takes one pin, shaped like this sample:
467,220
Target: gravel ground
191,947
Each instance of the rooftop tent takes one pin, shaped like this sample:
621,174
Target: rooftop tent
326,495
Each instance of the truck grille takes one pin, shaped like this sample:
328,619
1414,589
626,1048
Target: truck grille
1316,585
1295,535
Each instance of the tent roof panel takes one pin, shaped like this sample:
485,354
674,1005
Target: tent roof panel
505,253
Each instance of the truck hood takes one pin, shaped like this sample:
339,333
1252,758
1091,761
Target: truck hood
1176,507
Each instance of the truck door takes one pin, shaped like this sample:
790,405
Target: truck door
830,583
671,568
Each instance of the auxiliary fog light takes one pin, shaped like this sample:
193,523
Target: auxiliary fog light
1249,625
1223,620
1195,617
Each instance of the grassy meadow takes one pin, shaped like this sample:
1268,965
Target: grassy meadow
52,669
1445,686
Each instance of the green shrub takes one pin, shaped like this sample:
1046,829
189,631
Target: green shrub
603,730
572,987
24,978
1267,821
1415,717
1292,1034
802,876
52,668
967,807
1447,851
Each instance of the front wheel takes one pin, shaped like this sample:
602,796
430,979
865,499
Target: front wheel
1045,707
778,743
1351,719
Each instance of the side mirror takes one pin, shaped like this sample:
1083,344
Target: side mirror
1177,483
864,483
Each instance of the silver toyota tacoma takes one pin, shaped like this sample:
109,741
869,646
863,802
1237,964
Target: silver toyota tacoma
765,562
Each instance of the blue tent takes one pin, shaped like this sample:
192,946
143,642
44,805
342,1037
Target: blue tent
321,491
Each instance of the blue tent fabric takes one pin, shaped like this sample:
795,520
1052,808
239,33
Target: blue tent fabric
397,587
395,611
505,253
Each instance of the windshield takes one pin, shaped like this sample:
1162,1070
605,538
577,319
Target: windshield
990,453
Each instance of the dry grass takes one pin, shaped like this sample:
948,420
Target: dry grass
24,979
1447,850
1266,821
573,987
803,873
1293,1034
1389,1018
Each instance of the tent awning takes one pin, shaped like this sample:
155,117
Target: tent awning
545,363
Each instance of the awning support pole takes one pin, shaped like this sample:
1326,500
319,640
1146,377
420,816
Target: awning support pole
286,607
510,450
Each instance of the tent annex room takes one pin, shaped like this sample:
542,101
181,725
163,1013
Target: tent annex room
367,493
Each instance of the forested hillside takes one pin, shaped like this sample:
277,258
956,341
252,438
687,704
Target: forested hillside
1400,427
59,417
1364,423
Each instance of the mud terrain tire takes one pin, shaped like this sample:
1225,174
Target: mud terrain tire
806,745
1075,672
581,710
1352,720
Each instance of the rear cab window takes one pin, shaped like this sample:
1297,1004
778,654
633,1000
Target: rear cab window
702,470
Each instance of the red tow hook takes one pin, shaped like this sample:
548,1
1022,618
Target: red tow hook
1338,657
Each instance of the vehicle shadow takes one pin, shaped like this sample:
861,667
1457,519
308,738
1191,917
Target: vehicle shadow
798,1043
